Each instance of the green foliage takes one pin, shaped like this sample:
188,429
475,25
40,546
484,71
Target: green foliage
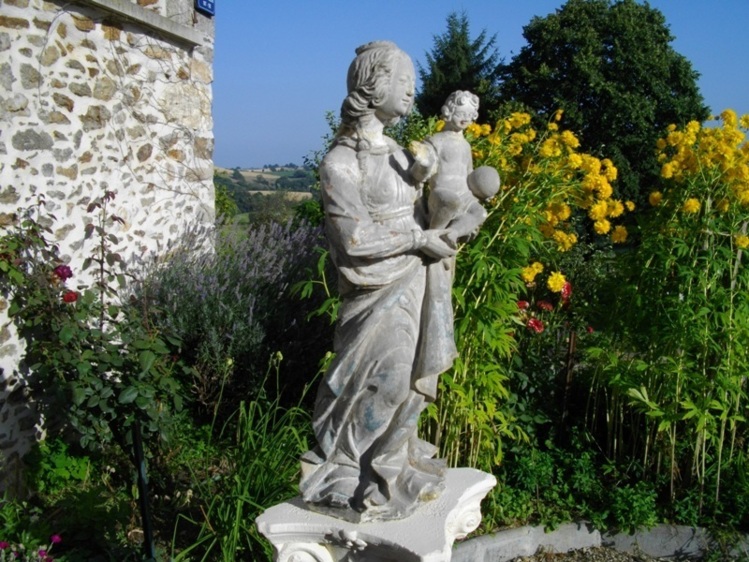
458,62
266,441
611,67
93,362
52,470
226,207
633,506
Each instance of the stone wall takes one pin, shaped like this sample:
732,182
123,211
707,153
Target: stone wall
95,96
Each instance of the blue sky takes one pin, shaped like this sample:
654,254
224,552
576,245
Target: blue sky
281,64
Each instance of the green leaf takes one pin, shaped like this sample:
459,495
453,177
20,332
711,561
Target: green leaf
147,359
79,395
128,395
66,333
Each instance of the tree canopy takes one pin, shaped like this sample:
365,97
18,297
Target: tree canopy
611,68
458,62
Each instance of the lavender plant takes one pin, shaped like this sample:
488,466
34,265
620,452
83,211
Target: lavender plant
231,306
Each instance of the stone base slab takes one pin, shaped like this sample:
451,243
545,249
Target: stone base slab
301,535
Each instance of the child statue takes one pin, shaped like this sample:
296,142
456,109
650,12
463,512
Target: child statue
455,188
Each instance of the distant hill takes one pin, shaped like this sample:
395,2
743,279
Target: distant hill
281,178
268,193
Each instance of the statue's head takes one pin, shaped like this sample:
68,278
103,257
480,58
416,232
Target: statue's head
379,73
461,100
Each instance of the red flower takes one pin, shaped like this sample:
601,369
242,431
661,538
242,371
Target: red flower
535,325
63,272
55,539
590,329
545,305
4,545
70,296
566,291
523,305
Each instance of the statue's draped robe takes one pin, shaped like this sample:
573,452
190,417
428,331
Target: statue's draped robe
394,336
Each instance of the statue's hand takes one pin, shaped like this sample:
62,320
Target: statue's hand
439,245
425,160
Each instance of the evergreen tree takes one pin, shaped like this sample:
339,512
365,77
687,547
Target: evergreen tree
457,62
611,68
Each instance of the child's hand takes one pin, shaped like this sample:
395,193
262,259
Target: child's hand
424,154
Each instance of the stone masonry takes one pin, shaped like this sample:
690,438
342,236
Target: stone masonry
95,96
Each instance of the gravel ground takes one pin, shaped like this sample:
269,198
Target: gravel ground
590,555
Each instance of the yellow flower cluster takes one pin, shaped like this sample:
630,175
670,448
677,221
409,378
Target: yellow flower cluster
705,169
716,153
530,272
544,171
477,130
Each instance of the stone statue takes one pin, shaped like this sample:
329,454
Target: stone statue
392,339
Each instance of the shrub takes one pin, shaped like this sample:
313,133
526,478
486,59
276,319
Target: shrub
90,360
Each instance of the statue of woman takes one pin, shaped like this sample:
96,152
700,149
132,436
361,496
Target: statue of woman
394,334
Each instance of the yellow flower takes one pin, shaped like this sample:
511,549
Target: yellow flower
610,170
615,208
723,205
550,147
569,138
667,171
561,211
630,206
602,226
440,125
604,188
474,129
619,235
742,241
598,211
486,129
691,205
575,160
729,118
564,241
518,119
744,121
553,127
558,114
655,198
556,282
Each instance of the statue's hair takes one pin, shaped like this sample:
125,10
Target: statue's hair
458,98
368,80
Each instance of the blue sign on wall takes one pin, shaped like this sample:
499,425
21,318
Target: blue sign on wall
206,6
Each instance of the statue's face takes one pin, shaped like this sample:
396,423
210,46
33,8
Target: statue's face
399,100
462,117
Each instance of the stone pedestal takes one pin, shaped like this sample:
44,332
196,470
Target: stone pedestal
301,535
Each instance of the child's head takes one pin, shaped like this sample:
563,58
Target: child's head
461,108
484,182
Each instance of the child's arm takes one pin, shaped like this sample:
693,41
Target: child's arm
466,225
425,160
